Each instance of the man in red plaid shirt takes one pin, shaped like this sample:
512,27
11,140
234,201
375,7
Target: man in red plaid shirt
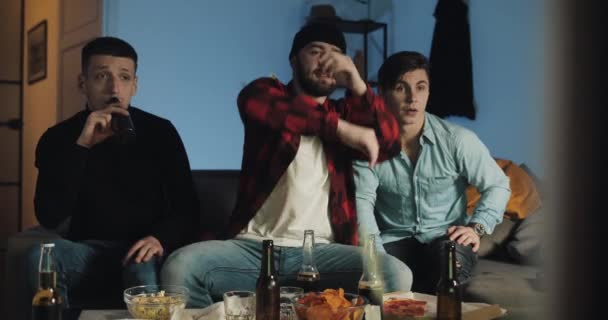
296,175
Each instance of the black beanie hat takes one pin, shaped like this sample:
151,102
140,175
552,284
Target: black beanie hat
317,31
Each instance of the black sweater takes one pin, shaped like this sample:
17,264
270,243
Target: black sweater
114,191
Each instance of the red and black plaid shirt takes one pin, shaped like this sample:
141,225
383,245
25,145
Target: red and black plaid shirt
274,118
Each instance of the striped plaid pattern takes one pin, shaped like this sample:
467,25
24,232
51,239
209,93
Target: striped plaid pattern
274,119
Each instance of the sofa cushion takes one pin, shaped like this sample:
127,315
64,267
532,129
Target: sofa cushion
217,191
514,287
492,244
525,244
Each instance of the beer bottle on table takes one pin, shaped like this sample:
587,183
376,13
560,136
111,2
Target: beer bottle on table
46,304
371,284
449,297
308,275
267,290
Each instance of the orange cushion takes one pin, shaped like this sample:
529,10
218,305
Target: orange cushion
524,199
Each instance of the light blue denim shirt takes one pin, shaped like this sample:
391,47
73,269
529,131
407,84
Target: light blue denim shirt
397,200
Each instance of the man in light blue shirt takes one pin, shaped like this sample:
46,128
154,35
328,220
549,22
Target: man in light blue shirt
415,202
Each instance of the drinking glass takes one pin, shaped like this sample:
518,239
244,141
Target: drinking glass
239,305
287,294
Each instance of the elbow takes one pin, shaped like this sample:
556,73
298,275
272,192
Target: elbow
47,223
506,184
45,215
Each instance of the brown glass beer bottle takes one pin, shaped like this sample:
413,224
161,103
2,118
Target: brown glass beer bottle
267,290
449,297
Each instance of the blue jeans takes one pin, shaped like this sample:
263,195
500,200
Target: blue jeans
91,269
211,268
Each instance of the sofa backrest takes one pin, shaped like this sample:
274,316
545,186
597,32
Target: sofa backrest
217,191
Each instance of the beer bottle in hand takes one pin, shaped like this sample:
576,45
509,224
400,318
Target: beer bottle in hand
267,292
371,284
46,304
449,298
308,276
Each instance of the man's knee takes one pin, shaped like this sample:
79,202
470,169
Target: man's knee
397,275
143,273
181,266
466,260
176,268
32,255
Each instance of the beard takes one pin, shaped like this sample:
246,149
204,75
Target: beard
310,86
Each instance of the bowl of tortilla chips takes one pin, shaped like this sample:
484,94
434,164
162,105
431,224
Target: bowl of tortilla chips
329,304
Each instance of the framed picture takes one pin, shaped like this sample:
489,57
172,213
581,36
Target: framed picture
37,53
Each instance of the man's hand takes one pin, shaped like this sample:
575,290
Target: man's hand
344,72
143,250
359,138
464,236
98,126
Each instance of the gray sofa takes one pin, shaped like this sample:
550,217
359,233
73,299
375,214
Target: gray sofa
507,273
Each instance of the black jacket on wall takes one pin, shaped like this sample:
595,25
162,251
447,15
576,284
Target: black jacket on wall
451,66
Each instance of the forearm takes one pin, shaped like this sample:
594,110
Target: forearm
481,170
367,224
358,87
491,207
267,102
366,185
368,110
181,223
365,217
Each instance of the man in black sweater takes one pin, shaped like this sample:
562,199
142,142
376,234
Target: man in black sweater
130,202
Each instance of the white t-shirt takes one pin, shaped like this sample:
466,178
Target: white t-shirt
298,202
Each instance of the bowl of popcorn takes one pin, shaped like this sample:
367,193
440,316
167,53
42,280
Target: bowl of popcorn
156,302
329,304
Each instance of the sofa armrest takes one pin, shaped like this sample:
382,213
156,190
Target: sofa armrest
526,244
19,243
492,244
17,298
